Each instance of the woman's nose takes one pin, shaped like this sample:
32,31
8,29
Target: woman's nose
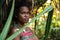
26,15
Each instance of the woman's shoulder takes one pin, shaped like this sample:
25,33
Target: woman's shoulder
14,29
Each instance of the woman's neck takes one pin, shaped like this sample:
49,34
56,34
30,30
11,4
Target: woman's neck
21,24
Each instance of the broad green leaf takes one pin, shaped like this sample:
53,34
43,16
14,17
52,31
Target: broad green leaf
48,23
7,24
49,8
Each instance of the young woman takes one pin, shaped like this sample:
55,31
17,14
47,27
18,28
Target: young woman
21,17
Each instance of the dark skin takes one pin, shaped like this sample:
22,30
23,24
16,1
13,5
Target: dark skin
22,18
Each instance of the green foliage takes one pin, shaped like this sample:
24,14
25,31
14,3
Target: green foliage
40,2
48,23
55,34
49,8
7,25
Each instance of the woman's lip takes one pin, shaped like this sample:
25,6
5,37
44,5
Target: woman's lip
26,19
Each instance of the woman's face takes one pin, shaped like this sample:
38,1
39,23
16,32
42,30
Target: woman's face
23,15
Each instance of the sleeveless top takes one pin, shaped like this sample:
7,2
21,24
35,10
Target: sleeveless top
26,34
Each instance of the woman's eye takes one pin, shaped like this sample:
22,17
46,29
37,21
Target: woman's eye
23,12
28,12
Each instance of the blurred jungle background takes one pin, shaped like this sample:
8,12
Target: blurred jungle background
38,26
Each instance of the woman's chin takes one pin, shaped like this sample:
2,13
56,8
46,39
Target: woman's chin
26,21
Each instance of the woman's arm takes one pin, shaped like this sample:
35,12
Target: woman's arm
17,38
13,31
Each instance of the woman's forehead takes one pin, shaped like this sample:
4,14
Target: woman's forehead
24,8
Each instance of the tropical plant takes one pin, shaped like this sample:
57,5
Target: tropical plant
8,22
